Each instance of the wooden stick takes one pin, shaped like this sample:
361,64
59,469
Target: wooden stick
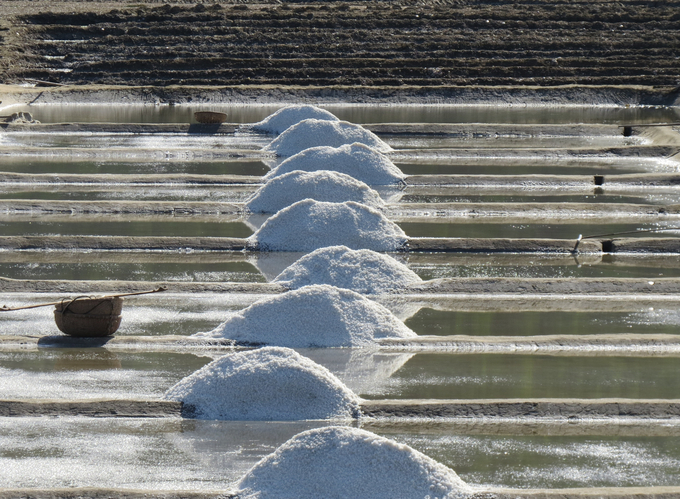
5,308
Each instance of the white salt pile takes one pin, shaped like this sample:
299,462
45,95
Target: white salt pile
313,316
356,160
308,225
363,271
295,186
349,463
289,116
313,133
268,384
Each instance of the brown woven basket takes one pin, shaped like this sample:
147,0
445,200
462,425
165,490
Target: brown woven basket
89,317
210,117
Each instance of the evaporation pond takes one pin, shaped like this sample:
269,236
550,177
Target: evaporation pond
514,376
187,455
106,372
663,319
355,113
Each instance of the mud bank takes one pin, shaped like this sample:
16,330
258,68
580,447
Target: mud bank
561,409
561,96
91,408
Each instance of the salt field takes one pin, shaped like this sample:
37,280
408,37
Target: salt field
522,256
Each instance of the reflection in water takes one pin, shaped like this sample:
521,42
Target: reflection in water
272,263
429,321
77,373
439,113
360,369
494,376
92,360
555,462
172,454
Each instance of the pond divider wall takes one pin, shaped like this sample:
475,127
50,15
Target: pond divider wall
491,408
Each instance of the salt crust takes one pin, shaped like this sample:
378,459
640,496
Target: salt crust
313,316
308,225
267,384
363,271
289,116
295,186
312,133
356,160
349,463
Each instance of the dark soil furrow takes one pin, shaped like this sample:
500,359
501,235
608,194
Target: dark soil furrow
433,42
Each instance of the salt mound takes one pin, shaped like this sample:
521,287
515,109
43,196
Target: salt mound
295,186
268,384
313,316
308,225
356,160
289,116
349,463
312,133
363,271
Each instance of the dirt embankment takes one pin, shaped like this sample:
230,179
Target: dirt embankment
429,43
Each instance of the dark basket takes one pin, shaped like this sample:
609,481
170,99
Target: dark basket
89,317
210,117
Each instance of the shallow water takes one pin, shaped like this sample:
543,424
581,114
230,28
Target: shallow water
110,373
65,113
482,376
428,321
213,455
555,229
197,455
162,226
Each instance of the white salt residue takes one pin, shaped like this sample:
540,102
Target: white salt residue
268,384
313,316
349,463
308,225
356,160
289,116
363,271
313,133
295,186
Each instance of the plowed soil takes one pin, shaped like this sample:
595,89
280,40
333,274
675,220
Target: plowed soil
379,43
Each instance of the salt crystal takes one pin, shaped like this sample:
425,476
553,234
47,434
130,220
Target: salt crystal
349,463
308,225
267,384
321,185
356,160
312,132
363,271
313,316
289,116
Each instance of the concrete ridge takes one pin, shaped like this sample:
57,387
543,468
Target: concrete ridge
398,212
580,493
221,244
548,408
571,95
618,345
524,408
627,287
616,182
